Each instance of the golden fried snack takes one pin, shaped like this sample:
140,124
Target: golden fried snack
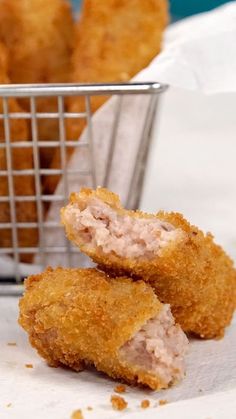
79,317
185,267
115,39
23,185
39,35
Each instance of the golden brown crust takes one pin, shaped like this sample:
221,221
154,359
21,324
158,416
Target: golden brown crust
77,317
194,275
107,35
39,36
115,39
21,159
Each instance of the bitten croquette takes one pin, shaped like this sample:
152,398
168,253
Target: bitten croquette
79,317
184,266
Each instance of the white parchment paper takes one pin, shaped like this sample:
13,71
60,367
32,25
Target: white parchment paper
199,53
208,391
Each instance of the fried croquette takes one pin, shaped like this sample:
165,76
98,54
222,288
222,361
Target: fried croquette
39,35
21,159
79,317
184,266
114,40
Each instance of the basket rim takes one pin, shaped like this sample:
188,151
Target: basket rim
80,89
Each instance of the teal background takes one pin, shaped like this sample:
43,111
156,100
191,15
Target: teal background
180,8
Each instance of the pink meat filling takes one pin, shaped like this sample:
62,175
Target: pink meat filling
159,347
98,225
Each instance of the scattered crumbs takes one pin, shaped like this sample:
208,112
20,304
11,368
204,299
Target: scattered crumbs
77,414
11,343
145,404
9,405
162,402
120,388
118,403
29,365
89,408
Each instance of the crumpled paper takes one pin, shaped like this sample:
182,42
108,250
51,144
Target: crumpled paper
199,54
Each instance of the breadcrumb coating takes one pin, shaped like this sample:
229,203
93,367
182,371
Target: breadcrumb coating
79,317
114,40
21,159
189,272
39,35
107,35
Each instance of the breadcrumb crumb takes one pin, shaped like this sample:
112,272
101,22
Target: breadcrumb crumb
11,343
120,388
9,405
118,403
162,402
145,404
89,408
29,365
77,414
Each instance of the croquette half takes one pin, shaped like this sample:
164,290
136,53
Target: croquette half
184,266
79,317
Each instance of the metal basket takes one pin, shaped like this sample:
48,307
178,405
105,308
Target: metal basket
62,92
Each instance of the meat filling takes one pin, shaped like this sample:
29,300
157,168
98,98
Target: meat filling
159,347
98,225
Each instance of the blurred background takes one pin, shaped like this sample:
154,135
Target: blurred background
181,8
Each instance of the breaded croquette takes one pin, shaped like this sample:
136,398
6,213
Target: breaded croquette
114,40
21,159
184,266
79,317
39,35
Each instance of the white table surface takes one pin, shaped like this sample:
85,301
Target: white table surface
192,170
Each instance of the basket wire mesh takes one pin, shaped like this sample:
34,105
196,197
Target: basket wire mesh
62,92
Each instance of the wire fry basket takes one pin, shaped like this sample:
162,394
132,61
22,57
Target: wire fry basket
13,197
